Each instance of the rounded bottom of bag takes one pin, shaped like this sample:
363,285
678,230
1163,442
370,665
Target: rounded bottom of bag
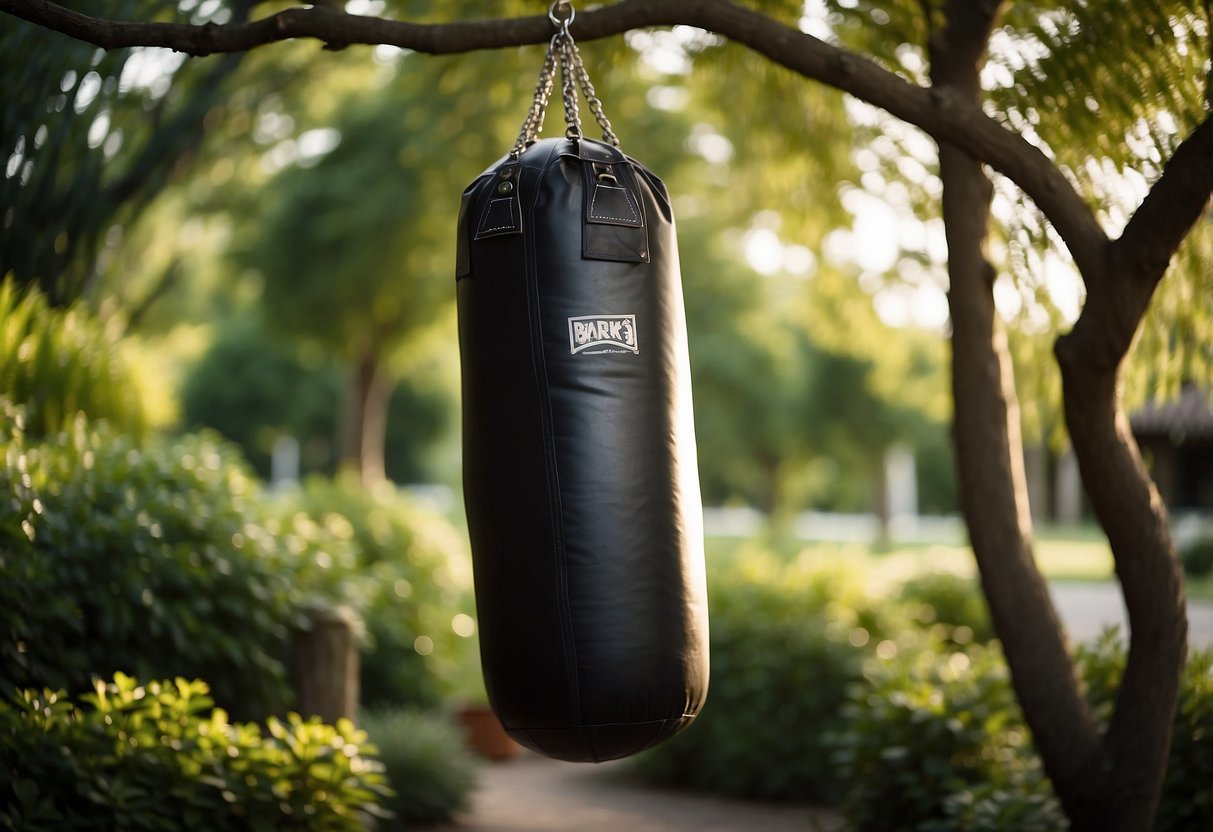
598,743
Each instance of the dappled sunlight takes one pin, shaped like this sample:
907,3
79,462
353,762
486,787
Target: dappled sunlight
150,69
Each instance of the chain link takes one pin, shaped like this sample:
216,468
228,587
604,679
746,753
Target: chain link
568,85
533,123
562,50
591,96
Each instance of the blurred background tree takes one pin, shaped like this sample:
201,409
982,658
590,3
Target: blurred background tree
341,250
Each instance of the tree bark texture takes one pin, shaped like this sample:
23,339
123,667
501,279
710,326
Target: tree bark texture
989,448
1134,753
1121,492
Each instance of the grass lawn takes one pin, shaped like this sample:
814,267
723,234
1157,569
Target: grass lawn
1063,554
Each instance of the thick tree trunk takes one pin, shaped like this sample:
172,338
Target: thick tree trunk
1111,782
993,487
1132,513
989,448
1120,287
364,425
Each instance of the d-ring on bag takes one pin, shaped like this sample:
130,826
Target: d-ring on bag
579,468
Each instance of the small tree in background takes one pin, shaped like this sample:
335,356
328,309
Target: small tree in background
334,252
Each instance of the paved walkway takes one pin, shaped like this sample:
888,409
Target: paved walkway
534,794
1087,609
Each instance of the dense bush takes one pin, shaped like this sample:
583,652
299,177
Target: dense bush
140,558
157,757
987,808
57,362
900,705
786,643
1187,799
935,741
425,762
951,606
407,571
165,559
1197,557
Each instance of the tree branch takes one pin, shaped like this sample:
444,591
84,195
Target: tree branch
1138,260
989,447
943,115
1173,205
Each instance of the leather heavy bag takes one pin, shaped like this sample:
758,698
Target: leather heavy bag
580,478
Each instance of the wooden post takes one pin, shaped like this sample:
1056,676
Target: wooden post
324,664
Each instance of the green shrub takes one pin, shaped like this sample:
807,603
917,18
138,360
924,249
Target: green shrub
425,762
937,742
58,362
786,644
986,808
927,738
157,757
950,605
1187,800
140,558
408,573
933,741
1197,557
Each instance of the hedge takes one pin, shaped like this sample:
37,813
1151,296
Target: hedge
160,757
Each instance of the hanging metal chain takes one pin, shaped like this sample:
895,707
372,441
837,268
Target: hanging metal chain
533,123
568,87
591,97
563,50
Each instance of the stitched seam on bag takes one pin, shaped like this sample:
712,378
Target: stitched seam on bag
555,503
512,224
626,198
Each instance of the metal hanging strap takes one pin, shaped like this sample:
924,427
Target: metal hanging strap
563,51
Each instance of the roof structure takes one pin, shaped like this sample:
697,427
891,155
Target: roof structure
1190,416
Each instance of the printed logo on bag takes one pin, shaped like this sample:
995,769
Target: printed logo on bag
593,334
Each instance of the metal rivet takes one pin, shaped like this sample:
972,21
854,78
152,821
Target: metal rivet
505,187
506,173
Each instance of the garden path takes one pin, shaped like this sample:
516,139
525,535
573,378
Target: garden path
1087,608
534,794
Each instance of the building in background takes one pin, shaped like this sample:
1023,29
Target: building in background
1176,441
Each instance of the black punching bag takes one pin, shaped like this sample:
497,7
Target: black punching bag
579,468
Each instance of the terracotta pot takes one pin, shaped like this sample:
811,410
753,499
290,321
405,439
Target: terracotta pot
484,733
